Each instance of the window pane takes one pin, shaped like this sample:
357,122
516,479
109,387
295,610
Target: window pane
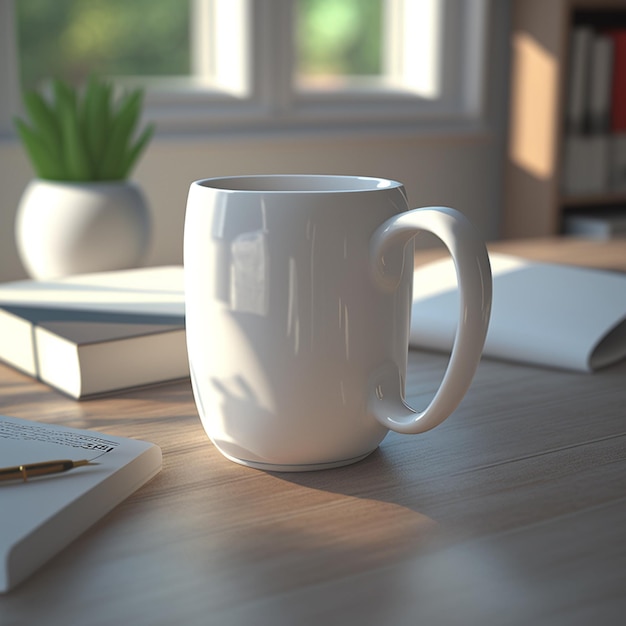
336,39
71,38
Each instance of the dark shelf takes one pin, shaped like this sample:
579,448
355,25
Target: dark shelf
600,18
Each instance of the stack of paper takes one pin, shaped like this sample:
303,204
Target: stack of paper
44,515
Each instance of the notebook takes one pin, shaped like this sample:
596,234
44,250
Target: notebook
545,314
43,515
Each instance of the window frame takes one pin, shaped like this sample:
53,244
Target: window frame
260,97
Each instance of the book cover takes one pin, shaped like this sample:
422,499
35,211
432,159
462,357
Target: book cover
602,53
96,333
544,314
618,88
42,516
618,109
581,39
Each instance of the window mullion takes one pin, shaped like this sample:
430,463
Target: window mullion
474,52
393,40
201,35
412,49
220,48
273,54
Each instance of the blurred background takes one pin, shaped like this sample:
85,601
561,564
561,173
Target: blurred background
414,90
152,38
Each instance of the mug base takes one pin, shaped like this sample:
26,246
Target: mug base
305,467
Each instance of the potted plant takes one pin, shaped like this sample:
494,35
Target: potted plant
81,214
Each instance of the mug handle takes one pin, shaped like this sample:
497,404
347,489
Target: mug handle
471,261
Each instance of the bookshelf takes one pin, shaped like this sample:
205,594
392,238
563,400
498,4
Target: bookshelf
534,201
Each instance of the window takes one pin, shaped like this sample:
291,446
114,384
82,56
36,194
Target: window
114,37
259,64
337,42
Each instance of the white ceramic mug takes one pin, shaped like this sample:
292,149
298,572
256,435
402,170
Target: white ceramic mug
298,295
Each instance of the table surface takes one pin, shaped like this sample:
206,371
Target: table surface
511,512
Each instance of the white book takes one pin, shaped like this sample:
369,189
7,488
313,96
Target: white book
586,163
597,224
97,333
618,162
39,518
147,290
543,314
578,78
601,76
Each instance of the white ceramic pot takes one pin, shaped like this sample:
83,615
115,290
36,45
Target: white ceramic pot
65,228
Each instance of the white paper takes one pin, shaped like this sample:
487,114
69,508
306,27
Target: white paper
545,314
149,290
41,516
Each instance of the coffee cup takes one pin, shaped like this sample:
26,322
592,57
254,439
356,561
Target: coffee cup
298,294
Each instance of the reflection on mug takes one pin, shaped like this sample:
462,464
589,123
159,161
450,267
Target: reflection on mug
241,268
248,274
293,307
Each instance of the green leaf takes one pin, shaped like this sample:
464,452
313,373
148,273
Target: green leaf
122,127
75,156
83,138
136,149
44,121
65,98
45,164
96,119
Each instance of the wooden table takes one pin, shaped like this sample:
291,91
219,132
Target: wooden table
511,512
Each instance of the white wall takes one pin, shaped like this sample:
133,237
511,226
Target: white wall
452,171
463,170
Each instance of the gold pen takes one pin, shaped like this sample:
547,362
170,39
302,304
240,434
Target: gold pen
31,470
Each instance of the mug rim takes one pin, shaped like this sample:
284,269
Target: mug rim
297,183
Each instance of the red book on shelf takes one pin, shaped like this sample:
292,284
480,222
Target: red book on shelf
618,90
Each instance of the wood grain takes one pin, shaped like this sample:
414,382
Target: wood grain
511,512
